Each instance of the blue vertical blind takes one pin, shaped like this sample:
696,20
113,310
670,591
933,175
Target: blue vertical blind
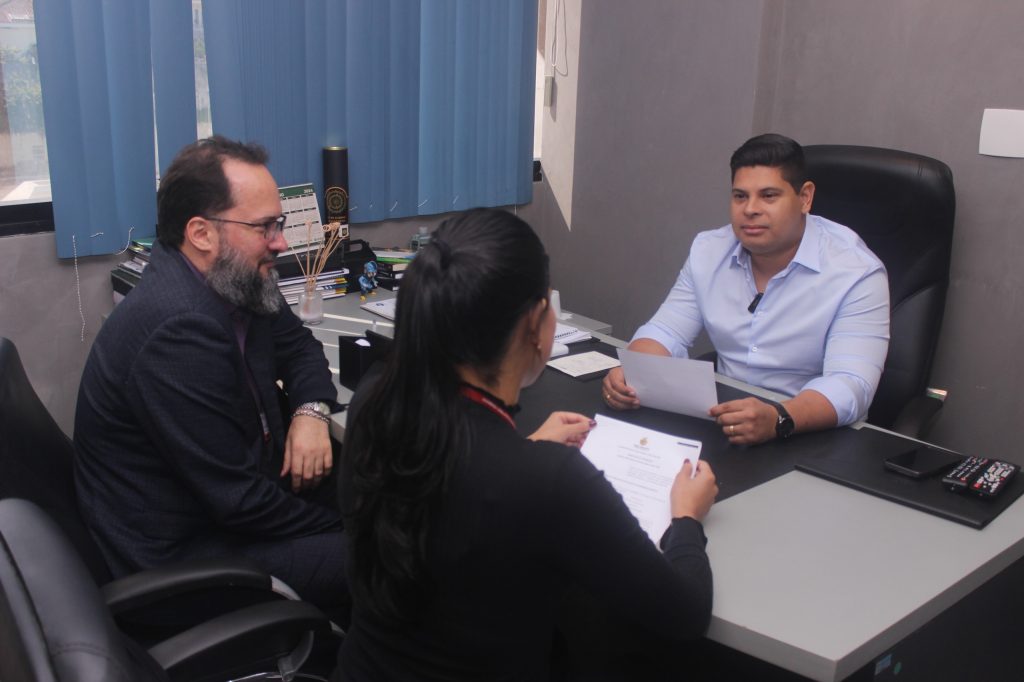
98,77
433,99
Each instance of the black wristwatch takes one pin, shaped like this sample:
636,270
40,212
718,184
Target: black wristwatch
784,425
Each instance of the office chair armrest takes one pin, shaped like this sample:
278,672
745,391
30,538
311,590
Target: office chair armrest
710,356
264,635
917,416
157,585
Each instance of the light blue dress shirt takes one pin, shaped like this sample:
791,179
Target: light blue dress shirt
822,324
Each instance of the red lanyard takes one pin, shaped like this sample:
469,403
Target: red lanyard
480,399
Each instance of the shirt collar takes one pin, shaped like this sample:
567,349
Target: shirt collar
808,254
191,266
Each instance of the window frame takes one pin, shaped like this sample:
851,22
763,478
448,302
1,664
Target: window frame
28,218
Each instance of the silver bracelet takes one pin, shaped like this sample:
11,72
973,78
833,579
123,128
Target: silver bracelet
320,410
307,412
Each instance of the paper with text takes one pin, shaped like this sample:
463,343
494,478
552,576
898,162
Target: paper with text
641,465
678,385
583,363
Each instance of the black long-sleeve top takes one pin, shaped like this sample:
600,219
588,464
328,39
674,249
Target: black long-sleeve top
522,522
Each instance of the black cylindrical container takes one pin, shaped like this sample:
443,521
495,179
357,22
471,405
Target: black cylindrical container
336,185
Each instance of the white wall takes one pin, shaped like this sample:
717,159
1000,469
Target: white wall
559,119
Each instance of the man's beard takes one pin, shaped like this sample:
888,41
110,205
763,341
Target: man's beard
241,284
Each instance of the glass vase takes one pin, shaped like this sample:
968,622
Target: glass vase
311,306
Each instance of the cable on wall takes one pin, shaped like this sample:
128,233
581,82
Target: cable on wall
559,6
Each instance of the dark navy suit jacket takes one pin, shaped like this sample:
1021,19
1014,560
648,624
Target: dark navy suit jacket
171,457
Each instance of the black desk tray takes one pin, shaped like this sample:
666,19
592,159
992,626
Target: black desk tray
859,463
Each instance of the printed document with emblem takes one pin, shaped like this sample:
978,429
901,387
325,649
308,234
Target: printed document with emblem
641,465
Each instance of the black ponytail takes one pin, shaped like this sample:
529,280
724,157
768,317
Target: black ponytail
460,301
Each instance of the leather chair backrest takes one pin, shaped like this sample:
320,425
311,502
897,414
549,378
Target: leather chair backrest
902,205
36,459
54,625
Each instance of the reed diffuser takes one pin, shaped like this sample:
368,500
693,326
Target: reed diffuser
312,263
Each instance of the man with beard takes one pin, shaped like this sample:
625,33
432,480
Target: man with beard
181,446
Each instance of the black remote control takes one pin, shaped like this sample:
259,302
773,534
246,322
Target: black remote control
980,475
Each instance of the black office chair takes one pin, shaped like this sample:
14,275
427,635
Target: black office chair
55,626
902,205
36,460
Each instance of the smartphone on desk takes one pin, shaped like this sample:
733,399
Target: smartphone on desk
923,461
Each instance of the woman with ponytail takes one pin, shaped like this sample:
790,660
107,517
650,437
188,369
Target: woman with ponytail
464,535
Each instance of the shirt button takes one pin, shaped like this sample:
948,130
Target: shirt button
754,349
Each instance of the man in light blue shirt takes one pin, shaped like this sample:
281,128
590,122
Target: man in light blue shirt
791,301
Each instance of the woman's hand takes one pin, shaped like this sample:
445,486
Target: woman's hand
567,428
693,497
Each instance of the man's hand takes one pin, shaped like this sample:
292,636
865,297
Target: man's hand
567,428
617,393
307,453
751,421
747,421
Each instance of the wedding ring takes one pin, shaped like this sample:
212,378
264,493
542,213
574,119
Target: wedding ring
732,429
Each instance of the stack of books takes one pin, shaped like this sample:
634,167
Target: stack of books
330,285
391,265
126,275
332,282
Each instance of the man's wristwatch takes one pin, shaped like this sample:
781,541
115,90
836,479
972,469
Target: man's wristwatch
318,410
784,425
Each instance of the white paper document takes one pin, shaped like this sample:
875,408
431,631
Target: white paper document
385,309
582,363
641,465
675,384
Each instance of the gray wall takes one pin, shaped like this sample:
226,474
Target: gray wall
665,90
39,312
916,75
668,89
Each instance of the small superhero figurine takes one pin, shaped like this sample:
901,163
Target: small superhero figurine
368,280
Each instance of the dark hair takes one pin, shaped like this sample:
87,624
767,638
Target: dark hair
460,302
195,184
775,151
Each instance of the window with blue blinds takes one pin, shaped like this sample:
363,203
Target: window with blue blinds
433,99
99,64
